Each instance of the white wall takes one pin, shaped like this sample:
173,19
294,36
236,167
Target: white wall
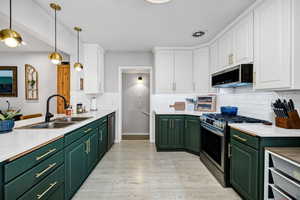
47,81
113,60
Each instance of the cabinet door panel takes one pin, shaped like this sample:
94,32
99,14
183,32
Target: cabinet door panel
225,49
163,133
183,71
272,20
244,170
214,57
194,132
76,160
93,150
201,70
177,133
243,40
164,71
102,140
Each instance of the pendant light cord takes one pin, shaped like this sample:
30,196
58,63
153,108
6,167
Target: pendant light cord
10,9
78,46
55,31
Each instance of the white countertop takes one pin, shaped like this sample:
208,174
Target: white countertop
173,112
262,130
22,140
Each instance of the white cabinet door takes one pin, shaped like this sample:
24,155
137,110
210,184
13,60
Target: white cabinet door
243,40
164,71
214,57
201,70
183,71
91,69
225,50
272,47
101,70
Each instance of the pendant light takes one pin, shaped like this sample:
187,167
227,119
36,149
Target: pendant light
78,66
55,57
10,37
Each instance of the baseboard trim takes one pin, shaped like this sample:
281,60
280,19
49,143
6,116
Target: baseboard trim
135,137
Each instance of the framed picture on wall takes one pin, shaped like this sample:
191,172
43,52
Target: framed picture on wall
8,81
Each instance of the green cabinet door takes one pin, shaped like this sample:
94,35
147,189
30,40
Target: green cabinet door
192,134
102,131
244,170
76,160
164,127
177,133
92,149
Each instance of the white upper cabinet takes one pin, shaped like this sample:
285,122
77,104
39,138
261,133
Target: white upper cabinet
93,69
214,57
164,71
243,40
273,44
183,73
201,70
174,71
225,50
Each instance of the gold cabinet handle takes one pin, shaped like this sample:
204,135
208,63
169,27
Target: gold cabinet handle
240,138
87,147
52,185
45,170
46,154
88,130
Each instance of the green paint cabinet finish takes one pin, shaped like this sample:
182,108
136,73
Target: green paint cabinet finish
247,161
102,140
76,162
92,150
244,173
47,187
192,134
170,132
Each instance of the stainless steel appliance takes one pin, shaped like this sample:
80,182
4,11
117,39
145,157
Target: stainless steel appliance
241,75
215,141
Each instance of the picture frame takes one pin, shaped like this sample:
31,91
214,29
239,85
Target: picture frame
8,81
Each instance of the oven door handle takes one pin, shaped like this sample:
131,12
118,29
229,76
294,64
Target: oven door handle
212,130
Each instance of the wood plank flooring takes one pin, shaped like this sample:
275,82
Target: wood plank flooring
133,170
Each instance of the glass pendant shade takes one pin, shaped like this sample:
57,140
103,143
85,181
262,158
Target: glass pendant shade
55,58
78,66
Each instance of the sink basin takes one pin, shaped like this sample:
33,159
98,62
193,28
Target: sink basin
72,119
50,125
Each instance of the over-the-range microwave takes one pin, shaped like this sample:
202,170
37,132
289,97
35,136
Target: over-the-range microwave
241,75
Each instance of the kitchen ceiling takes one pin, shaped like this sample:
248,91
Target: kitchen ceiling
137,25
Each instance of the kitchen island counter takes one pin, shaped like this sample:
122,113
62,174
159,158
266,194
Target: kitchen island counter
22,141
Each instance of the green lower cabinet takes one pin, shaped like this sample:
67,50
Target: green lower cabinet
59,194
102,136
170,132
93,150
192,134
76,163
244,169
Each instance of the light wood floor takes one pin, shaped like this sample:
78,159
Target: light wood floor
133,170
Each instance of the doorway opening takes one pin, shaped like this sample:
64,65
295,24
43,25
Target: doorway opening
135,103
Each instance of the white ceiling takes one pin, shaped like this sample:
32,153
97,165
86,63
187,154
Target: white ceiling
135,25
32,44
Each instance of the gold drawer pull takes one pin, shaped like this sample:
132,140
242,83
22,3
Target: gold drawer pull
46,154
39,196
240,138
88,130
45,170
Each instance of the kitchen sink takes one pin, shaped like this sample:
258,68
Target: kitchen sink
72,119
49,125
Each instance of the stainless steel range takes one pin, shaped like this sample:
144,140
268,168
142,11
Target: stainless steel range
215,134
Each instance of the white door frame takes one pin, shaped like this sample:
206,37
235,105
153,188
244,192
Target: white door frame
121,70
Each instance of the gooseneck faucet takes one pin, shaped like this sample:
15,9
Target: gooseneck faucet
50,115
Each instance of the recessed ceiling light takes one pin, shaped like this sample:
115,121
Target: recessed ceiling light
158,1
198,34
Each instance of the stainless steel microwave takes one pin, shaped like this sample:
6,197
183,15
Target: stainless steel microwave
241,75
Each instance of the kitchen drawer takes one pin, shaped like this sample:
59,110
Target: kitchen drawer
286,184
75,135
19,166
244,138
286,167
21,184
278,195
47,187
103,120
59,194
